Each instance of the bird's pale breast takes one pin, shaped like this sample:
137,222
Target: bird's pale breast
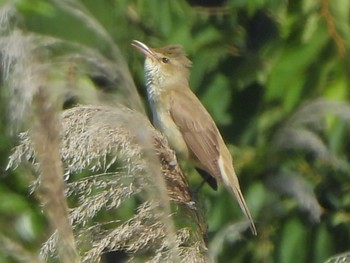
164,123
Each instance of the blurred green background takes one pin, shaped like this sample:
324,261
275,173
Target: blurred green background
274,74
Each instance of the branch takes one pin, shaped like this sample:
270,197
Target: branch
325,11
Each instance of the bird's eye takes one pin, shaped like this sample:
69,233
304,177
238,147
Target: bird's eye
165,60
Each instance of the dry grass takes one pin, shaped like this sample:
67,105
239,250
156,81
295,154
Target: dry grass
341,258
109,143
45,137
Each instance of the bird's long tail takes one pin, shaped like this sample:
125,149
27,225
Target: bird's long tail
239,196
230,181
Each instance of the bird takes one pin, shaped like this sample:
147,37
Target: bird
182,118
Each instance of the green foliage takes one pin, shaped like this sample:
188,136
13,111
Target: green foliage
265,70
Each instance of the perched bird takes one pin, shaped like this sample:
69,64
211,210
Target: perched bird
182,118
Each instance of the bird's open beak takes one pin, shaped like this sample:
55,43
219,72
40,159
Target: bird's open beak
144,49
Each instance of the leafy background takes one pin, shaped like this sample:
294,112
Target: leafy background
275,77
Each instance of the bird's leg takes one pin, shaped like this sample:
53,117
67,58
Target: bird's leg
207,178
199,187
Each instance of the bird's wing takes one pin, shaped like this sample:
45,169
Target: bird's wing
198,129
203,138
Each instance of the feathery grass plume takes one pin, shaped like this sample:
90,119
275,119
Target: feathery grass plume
105,141
126,83
18,50
7,18
314,112
291,183
302,132
25,79
341,258
20,71
305,129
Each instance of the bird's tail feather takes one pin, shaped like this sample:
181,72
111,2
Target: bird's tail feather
230,181
239,196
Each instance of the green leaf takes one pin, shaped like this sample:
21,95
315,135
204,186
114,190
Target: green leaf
40,7
340,12
10,201
218,91
292,243
287,77
323,245
256,197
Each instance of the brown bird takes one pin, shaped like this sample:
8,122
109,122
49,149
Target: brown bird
182,118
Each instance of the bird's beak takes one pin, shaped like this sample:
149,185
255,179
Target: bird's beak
144,49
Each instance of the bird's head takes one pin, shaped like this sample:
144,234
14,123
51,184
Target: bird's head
164,66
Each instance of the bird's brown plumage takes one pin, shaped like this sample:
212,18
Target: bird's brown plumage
175,52
206,144
200,133
180,115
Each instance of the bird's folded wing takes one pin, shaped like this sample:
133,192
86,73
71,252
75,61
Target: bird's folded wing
198,129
